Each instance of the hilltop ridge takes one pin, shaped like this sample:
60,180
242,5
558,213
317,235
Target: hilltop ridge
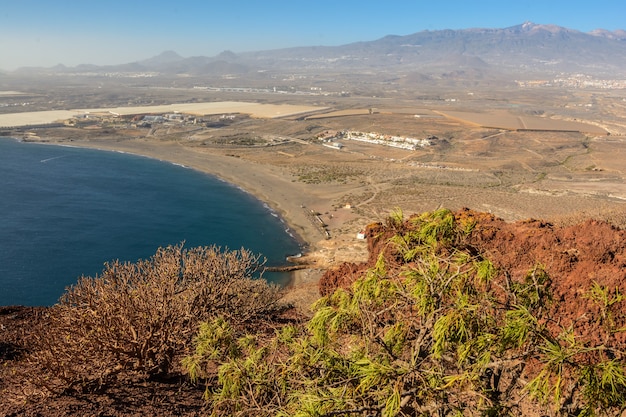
527,48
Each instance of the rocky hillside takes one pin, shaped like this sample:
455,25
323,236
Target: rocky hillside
573,256
523,318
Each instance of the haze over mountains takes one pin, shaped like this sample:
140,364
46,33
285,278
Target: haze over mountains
527,49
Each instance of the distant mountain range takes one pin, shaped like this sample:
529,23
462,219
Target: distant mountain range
528,48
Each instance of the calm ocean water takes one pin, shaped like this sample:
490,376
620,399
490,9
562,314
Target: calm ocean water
66,211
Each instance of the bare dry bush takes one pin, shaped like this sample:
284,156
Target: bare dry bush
136,317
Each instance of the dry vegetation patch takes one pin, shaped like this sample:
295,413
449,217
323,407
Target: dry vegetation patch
453,312
505,120
135,319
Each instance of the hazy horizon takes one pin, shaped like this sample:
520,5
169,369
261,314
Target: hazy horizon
40,33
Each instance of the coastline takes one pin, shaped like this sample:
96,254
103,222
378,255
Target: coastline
289,199
259,181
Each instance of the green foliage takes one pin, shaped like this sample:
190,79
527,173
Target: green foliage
485,271
534,290
437,227
437,330
214,340
555,356
604,385
396,218
519,325
607,301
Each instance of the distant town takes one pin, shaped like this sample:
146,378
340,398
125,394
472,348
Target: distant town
576,81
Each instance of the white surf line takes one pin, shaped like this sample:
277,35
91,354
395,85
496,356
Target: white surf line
54,157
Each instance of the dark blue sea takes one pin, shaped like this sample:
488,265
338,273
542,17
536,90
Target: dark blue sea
65,212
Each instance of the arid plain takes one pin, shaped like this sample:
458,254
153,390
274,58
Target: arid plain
516,152
326,164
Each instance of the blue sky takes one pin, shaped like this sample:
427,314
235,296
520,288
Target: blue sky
48,32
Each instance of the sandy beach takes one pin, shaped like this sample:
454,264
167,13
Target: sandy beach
272,185
289,199
276,186
292,200
279,162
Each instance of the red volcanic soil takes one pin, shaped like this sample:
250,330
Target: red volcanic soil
573,256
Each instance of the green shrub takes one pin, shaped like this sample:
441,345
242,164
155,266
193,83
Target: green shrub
442,333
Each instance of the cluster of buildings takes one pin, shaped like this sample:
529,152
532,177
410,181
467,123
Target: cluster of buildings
312,91
213,121
114,74
401,142
576,81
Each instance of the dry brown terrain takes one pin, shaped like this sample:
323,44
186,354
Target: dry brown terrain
506,120
513,174
563,177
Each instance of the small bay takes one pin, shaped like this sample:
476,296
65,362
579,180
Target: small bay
65,212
